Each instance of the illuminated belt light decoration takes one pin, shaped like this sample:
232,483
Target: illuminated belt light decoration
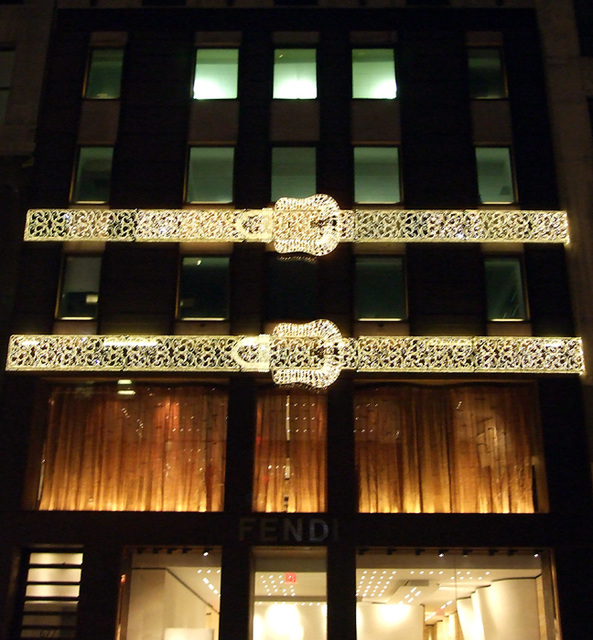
313,225
311,354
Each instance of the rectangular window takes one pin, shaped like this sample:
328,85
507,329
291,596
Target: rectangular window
495,175
210,174
79,295
373,74
291,291
92,181
379,288
290,452
295,74
451,594
134,447
217,71
290,594
104,74
504,289
203,288
376,175
486,73
51,593
446,449
293,172
6,64
172,595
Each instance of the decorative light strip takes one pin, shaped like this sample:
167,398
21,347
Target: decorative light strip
312,225
312,354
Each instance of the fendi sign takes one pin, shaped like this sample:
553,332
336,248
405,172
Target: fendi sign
287,529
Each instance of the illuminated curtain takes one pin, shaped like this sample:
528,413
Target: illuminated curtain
162,449
290,452
465,449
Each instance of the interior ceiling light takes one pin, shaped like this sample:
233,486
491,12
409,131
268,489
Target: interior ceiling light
311,354
313,225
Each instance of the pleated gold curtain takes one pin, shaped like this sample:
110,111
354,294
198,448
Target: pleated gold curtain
162,449
290,452
455,449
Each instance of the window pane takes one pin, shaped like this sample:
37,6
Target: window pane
210,175
174,596
291,289
122,427
504,289
203,288
373,74
293,172
80,288
216,74
445,449
452,594
290,452
486,73
290,594
376,175
295,74
495,176
379,293
93,175
105,69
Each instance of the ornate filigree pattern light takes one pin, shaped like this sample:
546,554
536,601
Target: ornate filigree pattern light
312,225
312,354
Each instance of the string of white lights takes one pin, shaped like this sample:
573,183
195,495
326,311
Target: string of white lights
311,354
312,225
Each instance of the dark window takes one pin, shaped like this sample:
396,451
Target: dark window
504,289
92,181
376,175
203,288
210,174
79,294
380,288
486,73
104,75
292,289
495,175
293,172
6,64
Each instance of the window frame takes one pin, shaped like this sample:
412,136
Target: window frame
178,298
186,199
397,148
503,71
89,72
523,279
376,48
291,48
203,48
75,175
515,195
404,288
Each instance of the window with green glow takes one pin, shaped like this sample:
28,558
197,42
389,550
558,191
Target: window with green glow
295,74
376,175
495,175
293,172
104,75
504,289
79,295
92,181
210,174
216,74
380,288
373,74
203,288
486,73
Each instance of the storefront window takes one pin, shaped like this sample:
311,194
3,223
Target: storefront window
290,595
174,594
453,595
